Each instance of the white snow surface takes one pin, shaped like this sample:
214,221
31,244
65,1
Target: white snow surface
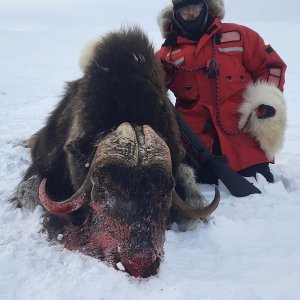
251,250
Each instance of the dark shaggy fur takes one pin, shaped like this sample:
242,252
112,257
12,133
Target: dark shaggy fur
123,83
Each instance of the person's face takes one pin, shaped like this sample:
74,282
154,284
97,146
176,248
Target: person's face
190,12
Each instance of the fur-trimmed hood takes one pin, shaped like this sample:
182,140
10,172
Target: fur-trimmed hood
166,15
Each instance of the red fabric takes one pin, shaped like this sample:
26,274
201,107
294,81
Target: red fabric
241,61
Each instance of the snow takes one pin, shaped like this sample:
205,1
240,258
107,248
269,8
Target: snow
251,250
120,266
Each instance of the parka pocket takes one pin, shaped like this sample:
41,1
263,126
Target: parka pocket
186,90
233,75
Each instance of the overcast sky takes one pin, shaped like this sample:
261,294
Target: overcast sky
28,14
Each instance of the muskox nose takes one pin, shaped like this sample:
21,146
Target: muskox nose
142,265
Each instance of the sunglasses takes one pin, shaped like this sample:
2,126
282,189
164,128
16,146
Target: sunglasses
175,2
196,8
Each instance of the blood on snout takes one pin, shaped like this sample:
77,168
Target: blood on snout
116,241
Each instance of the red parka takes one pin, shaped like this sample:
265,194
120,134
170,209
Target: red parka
211,106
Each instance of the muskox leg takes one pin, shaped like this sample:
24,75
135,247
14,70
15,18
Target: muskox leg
187,189
27,194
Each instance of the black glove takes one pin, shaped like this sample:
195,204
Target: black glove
264,111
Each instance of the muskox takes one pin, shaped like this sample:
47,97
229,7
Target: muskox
108,166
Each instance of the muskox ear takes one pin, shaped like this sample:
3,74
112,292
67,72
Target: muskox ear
88,54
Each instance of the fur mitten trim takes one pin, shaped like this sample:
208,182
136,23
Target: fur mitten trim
165,17
269,132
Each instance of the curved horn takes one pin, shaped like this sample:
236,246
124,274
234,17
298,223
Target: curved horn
69,205
191,212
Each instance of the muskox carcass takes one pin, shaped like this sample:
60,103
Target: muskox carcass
108,166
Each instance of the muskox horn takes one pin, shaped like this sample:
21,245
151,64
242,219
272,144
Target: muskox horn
191,212
120,147
71,204
66,206
156,150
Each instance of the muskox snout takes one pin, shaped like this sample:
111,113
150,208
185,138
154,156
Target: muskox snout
130,246
142,258
130,198
140,266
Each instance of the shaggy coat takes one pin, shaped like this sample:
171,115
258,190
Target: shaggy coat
122,82
111,92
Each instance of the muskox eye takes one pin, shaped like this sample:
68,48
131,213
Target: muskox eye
79,216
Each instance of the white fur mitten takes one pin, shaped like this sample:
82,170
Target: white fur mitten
267,124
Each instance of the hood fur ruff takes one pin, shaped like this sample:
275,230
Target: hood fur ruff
268,132
166,15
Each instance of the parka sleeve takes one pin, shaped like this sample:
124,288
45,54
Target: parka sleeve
262,61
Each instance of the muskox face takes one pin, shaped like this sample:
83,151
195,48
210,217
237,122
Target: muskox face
128,195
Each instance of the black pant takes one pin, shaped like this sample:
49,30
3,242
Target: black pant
206,174
263,169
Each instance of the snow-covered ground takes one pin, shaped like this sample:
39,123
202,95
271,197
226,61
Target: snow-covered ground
250,252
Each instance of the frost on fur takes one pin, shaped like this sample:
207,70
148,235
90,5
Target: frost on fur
27,192
268,132
87,54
